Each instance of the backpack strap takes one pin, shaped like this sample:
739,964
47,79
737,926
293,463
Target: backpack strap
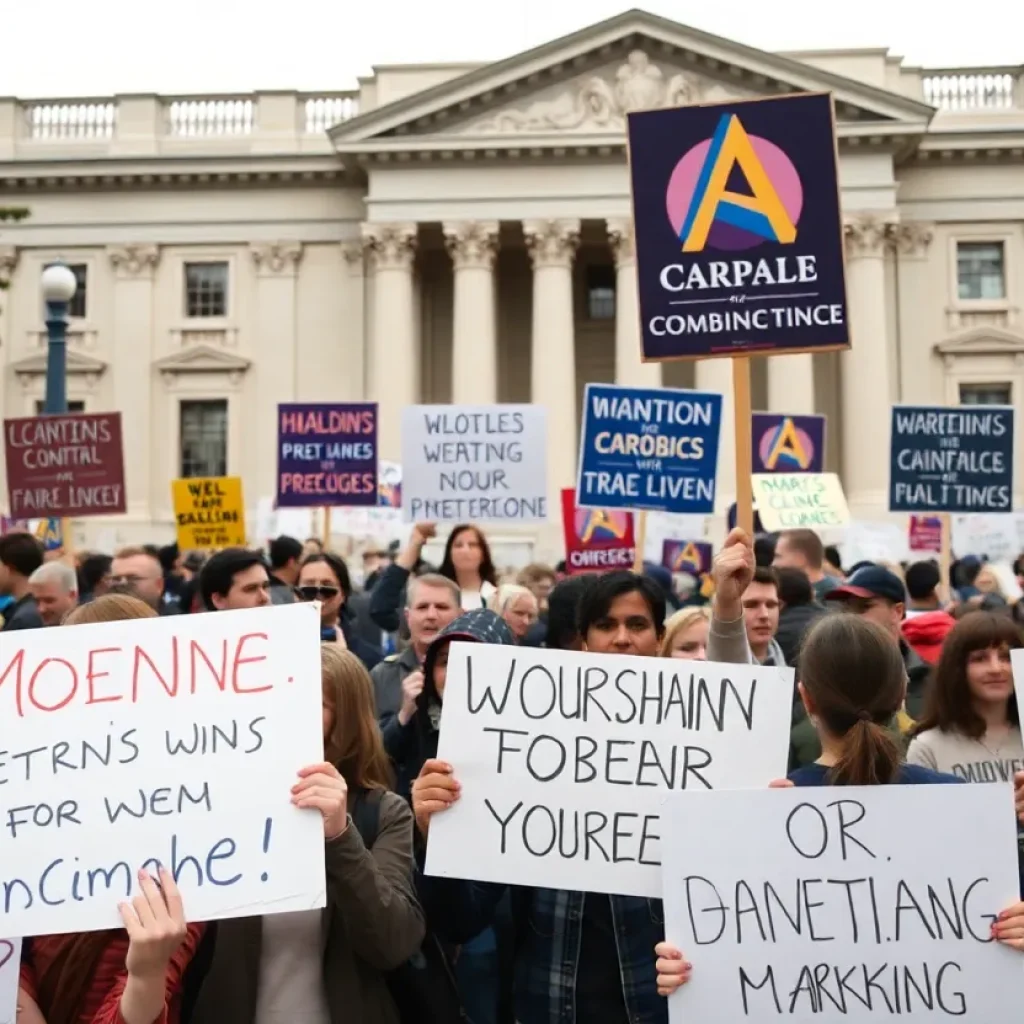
365,814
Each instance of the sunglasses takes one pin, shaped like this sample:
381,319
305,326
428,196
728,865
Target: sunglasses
317,593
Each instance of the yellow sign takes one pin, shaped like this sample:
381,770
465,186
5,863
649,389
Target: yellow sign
799,501
210,512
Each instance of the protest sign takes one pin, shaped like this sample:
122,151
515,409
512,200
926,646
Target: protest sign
474,463
993,538
825,904
596,539
65,466
788,444
210,512
327,454
951,459
565,759
648,448
50,533
171,741
389,486
790,501
925,534
692,556
739,239
10,963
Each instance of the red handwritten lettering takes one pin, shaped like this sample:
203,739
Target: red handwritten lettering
170,686
254,660
17,662
35,701
221,674
91,676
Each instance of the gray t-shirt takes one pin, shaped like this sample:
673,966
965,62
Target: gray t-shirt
973,760
291,985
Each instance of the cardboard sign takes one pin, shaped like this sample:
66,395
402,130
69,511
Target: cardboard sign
788,444
790,501
826,905
10,964
649,448
171,741
474,463
565,759
925,534
692,556
210,512
327,454
596,539
951,459
65,466
739,238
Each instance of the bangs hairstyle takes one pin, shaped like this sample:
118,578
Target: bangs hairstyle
354,744
487,571
948,706
855,679
679,622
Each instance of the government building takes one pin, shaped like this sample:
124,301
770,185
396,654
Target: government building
461,233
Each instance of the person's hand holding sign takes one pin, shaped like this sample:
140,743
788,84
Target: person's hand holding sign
322,788
435,790
731,572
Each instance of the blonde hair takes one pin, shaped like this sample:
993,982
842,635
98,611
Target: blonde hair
506,594
109,608
678,622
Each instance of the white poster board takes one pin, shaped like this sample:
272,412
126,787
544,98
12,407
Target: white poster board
10,963
168,740
565,759
799,501
819,905
474,463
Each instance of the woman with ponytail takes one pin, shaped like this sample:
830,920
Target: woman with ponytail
852,682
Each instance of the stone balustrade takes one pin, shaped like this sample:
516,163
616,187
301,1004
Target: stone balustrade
966,90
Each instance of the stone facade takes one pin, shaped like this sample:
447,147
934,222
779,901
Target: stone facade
454,233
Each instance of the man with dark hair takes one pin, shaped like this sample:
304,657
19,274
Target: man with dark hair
622,613
563,625
761,617
802,549
235,578
798,611
922,580
285,554
20,555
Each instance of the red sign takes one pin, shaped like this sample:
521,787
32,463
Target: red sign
926,533
596,539
65,466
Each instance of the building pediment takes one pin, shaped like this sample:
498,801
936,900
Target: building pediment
78,364
202,359
982,341
583,85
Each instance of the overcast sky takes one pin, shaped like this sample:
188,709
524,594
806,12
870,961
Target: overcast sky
99,47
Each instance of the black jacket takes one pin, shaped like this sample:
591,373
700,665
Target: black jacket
794,623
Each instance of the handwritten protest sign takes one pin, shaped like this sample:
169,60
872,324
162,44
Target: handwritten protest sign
648,448
789,501
951,459
10,961
168,740
565,759
596,539
65,466
924,533
826,904
474,463
210,512
327,454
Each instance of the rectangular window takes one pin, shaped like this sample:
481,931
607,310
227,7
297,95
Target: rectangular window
600,293
206,289
980,270
75,406
985,394
77,306
204,438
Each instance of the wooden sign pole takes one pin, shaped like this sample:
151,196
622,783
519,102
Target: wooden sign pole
744,443
327,526
640,540
945,555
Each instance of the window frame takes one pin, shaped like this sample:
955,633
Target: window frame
81,292
994,384
589,288
192,400
1005,240
193,261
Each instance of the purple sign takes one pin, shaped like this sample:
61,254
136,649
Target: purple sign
327,455
739,239
788,444
692,556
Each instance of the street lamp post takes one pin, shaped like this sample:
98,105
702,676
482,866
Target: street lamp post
59,285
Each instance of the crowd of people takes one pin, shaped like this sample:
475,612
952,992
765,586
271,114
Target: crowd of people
902,677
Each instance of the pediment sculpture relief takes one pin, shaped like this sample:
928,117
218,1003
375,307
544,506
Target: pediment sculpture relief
601,104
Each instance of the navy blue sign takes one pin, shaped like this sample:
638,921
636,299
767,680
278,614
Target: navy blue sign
951,459
739,239
649,448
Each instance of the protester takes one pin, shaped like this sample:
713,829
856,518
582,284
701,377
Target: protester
54,586
686,634
139,572
20,555
761,616
285,556
517,606
922,581
93,576
803,550
328,966
925,634
233,579
798,612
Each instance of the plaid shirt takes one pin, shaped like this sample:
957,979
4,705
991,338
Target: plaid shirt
548,935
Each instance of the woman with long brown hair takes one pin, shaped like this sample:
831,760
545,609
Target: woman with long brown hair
132,975
327,966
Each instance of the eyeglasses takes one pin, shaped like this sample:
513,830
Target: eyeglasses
317,593
131,581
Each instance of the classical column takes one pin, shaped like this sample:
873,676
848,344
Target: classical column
629,369
473,246
715,375
394,366
133,351
866,384
276,365
791,383
551,244
356,352
916,308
